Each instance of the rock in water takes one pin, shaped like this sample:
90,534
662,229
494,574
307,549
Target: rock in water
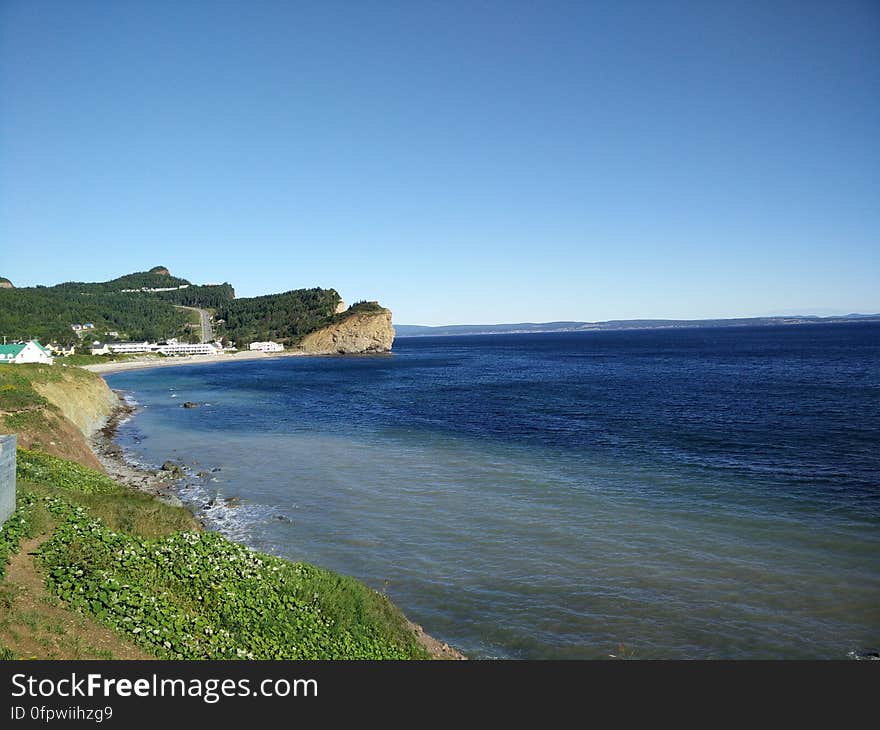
171,468
190,404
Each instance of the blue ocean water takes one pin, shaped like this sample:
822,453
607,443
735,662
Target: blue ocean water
698,493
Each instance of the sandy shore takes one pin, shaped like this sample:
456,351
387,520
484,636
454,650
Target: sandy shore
105,368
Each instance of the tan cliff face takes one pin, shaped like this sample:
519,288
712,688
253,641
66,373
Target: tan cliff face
85,402
362,332
78,403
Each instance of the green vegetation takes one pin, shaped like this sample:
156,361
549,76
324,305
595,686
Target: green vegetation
205,297
121,558
38,467
286,317
142,279
17,391
22,408
362,307
18,526
142,571
118,507
47,313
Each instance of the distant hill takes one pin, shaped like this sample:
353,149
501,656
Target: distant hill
146,305
409,330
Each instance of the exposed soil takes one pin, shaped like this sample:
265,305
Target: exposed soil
35,624
54,434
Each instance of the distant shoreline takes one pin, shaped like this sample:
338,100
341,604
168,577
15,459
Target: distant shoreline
107,368
405,331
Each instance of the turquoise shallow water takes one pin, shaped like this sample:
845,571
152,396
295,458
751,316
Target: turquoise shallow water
689,494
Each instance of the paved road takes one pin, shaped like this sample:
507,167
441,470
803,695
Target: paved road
206,335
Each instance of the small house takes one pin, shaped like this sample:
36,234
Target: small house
62,350
28,352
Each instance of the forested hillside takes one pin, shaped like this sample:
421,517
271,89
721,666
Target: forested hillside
48,313
208,297
283,317
151,279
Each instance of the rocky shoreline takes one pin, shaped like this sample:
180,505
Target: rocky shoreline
160,484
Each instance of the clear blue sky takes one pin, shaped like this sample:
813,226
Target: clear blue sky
462,162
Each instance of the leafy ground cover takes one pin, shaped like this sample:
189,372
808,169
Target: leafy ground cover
16,527
123,559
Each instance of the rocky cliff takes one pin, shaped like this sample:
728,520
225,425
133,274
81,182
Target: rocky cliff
55,409
354,333
86,402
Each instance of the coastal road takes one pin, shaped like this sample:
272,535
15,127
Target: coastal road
205,335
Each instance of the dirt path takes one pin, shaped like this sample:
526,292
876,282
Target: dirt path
37,625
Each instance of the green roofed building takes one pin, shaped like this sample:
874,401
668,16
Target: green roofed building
31,351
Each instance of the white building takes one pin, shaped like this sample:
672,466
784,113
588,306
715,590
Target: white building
31,351
182,348
267,346
130,348
161,288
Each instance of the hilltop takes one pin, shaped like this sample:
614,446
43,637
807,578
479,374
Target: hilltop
150,305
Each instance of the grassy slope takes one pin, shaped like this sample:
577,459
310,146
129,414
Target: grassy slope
143,570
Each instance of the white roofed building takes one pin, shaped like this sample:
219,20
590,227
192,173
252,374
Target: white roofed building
133,348
26,352
267,346
183,348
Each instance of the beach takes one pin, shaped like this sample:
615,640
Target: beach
157,362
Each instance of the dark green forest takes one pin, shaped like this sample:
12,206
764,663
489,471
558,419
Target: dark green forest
47,313
129,281
206,297
286,317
